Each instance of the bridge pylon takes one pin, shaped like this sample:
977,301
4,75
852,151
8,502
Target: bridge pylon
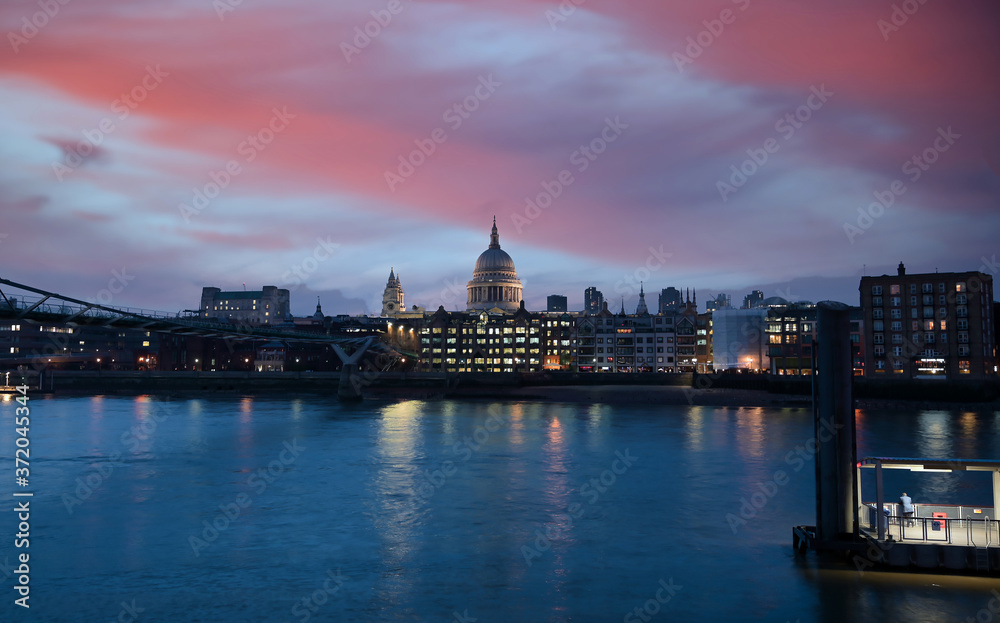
351,380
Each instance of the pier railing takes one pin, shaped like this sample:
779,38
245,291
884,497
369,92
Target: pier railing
973,530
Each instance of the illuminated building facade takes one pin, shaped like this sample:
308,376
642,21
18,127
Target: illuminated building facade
269,305
929,325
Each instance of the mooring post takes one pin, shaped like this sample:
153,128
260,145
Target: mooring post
833,420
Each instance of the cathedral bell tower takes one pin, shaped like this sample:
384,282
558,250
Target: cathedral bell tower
392,297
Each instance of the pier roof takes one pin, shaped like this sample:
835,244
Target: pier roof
932,465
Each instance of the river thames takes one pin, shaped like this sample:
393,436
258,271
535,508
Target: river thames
262,509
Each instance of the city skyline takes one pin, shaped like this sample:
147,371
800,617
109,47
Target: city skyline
348,144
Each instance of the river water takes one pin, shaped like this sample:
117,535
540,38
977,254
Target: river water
262,509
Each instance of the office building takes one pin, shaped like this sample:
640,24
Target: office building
555,303
928,325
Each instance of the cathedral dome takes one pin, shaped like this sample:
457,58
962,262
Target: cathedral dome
494,260
494,279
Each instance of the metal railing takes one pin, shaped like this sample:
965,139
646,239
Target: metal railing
933,529
987,523
21,303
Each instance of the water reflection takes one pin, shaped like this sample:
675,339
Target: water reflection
934,439
750,431
397,480
694,425
556,491
352,501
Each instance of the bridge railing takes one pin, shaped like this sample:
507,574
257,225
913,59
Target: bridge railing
60,311
21,303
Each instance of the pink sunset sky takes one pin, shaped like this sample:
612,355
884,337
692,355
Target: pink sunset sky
623,121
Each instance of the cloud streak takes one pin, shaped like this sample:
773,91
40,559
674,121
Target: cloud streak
354,118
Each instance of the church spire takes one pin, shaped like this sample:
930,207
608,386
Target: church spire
641,309
494,236
318,315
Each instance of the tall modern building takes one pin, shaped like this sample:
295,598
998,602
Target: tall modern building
928,325
494,284
556,303
752,300
670,300
593,300
269,305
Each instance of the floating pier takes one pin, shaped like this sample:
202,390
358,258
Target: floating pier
873,533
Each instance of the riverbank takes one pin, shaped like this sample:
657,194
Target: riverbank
666,389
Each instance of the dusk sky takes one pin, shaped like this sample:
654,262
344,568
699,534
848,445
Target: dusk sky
633,127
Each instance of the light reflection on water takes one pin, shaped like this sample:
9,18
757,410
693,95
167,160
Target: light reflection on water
367,496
